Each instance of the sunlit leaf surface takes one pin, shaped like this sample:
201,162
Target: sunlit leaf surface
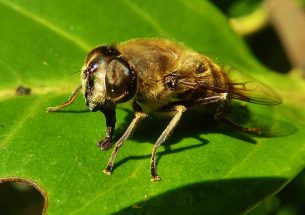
205,166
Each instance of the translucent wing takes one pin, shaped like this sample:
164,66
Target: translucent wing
245,88
254,93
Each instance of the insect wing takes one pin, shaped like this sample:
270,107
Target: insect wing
245,88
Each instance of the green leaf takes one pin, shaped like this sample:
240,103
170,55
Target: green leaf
205,166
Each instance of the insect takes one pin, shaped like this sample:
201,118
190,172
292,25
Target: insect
158,75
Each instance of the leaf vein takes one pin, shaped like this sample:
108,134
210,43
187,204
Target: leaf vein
145,15
12,70
241,162
109,190
47,24
20,123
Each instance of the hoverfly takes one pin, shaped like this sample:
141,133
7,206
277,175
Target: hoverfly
158,75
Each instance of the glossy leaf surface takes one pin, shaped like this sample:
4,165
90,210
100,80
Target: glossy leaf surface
205,166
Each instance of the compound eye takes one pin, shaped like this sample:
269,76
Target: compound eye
121,81
92,68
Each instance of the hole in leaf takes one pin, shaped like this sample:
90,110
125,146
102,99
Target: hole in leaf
20,196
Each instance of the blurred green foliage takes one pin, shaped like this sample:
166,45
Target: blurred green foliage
237,8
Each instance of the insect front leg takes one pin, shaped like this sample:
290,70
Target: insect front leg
179,110
67,103
106,143
139,116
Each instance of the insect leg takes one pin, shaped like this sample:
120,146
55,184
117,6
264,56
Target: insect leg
138,117
206,100
179,110
106,143
67,103
221,115
257,131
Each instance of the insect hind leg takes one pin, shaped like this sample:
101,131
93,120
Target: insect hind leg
221,115
254,130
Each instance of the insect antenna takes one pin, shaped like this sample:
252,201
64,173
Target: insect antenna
74,73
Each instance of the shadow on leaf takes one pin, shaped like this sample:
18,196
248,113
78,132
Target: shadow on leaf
197,122
230,196
167,150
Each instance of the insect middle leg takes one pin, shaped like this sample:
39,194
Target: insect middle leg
67,103
179,110
139,116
